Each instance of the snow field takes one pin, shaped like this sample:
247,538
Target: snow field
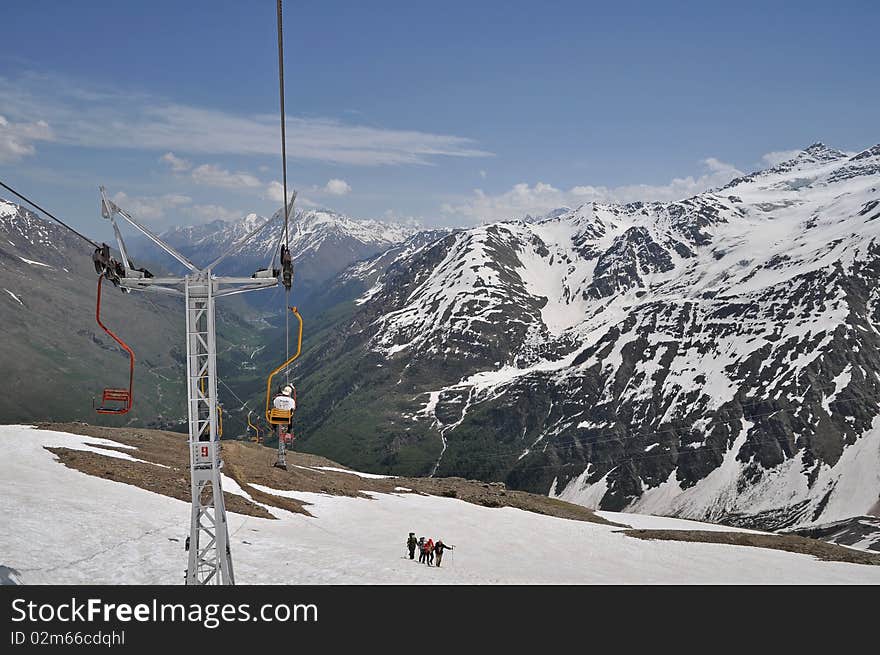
63,526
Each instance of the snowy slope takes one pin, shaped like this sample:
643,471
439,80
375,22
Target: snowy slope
714,357
63,526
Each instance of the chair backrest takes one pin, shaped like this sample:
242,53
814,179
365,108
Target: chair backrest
115,395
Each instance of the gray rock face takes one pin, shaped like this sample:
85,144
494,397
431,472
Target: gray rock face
712,358
862,532
9,576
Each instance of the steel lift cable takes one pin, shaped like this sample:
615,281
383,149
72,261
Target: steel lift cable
284,178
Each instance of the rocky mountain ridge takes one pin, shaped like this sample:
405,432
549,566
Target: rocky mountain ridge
711,358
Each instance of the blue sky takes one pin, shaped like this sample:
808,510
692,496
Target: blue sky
450,113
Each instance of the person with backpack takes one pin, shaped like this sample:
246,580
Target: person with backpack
411,544
439,547
285,400
423,554
429,552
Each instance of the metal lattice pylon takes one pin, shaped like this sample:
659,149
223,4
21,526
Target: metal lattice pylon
210,556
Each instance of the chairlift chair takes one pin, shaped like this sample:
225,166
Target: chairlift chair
115,401
274,415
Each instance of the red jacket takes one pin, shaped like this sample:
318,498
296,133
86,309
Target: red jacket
429,545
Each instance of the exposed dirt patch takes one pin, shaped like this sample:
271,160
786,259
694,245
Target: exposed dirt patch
791,543
490,494
249,464
168,482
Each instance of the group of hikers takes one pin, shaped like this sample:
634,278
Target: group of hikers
429,550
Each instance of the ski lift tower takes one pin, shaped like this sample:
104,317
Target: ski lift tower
210,558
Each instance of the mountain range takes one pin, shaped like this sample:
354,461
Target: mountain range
323,243
711,358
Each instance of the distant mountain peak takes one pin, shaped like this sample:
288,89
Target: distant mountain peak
812,161
7,208
820,152
553,213
323,243
251,221
816,153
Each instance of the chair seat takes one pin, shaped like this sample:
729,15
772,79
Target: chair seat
114,396
279,416
111,410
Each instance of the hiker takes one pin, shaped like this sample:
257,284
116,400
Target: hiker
422,552
439,547
429,552
411,544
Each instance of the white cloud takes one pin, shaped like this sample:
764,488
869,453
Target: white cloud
275,191
211,175
778,156
177,164
214,212
83,117
336,187
722,168
483,174
17,139
150,207
523,199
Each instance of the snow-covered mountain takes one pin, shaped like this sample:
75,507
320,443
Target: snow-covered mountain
323,243
713,358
